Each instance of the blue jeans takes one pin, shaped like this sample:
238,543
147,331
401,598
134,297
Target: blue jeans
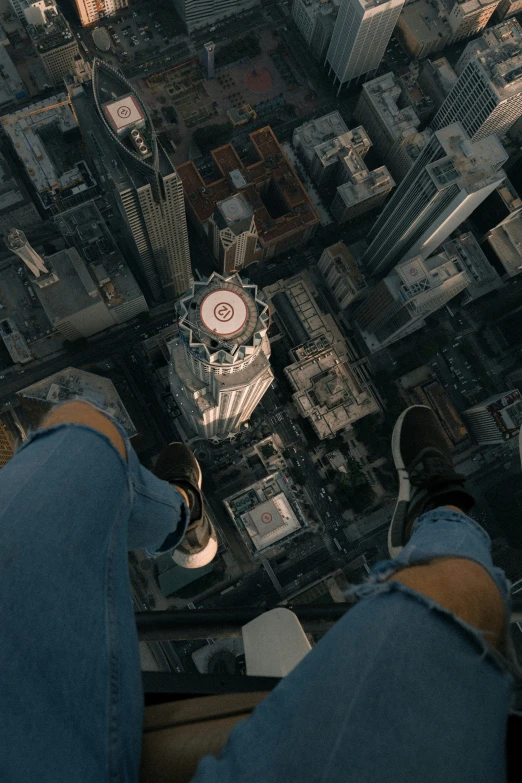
399,690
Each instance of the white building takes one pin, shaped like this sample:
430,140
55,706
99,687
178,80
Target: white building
200,13
400,303
90,11
382,106
496,419
361,34
220,365
233,233
450,178
487,97
33,11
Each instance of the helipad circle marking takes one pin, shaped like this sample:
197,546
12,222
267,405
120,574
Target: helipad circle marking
266,518
223,312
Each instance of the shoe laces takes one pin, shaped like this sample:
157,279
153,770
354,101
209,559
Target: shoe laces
431,470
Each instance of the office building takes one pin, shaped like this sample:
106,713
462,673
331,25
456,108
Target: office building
233,233
89,11
342,276
315,20
14,342
12,87
436,79
33,11
427,26
496,419
361,190
46,140
400,303
508,8
220,364
487,97
73,384
421,386
284,214
384,107
449,179
267,513
464,251
16,207
360,37
196,14
506,242
331,383
209,51
56,46
138,176
307,137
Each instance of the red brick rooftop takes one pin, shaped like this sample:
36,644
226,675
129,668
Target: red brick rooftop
273,167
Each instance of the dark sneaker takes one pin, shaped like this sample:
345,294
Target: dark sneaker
427,478
178,465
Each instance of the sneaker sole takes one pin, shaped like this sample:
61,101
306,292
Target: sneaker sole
197,559
403,498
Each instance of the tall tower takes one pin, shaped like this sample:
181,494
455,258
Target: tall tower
90,11
17,242
487,97
132,163
361,34
220,365
209,51
449,179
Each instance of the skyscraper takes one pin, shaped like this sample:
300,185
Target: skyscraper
449,179
136,170
90,11
361,34
496,419
487,97
220,365
199,13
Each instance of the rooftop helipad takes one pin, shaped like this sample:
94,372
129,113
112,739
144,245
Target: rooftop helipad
223,312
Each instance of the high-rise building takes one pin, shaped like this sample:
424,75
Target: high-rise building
56,46
449,179
505,239
220,364
383,106
496,419
138,174
209,51
508,7
200,13
468,17
342,276
361,34
90,11
44,137
437,78
315,20
234,233
33,11
487,97
400,303
331,382
12,87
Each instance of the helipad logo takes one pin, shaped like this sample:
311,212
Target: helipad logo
223,312
123,112
266,518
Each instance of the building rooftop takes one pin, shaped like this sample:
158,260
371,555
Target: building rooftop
473,164
12,87
356,140
72,383
264,512
506,241
346,265
55,33
385,93
277,197
85,229
74,290
425,21
306,137
330,388
499,52
443,74
466,252
36,133
234,212
364,184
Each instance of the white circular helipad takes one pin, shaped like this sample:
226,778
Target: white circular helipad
223,312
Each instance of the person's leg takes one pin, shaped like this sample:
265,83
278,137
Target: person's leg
73,500
409,686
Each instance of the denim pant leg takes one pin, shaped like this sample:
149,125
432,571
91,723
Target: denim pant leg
70,686
400,690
